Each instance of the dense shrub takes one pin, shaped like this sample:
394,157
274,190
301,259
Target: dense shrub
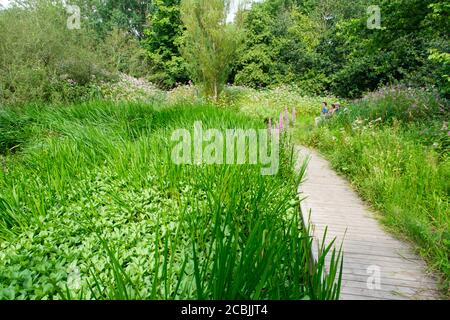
124,53
400,103
162,42
410,47
41,59
104,16
279,48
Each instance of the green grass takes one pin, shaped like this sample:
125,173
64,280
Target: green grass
268,103
92,207
394,148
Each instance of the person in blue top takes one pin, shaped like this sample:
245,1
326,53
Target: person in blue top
324,108
323,114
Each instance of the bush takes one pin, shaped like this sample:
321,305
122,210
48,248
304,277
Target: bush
123,52
402,104
162,42
42,60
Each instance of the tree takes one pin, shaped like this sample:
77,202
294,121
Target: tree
42,60
123,52
162,42
397,52
279,47
105,15
209,43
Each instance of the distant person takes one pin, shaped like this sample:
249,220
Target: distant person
333,109
337,107
324,109
324,113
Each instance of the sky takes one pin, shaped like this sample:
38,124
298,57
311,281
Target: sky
4,2
235,6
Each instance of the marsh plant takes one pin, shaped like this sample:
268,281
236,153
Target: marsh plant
93,207
231,147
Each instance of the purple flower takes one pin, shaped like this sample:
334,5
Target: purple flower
281,122
294,116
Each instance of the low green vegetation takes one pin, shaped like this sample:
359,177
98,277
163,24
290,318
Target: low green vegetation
92,206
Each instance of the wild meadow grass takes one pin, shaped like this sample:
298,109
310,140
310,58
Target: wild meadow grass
268,103
92,207
393,146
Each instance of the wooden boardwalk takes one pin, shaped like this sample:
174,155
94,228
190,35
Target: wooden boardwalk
376,265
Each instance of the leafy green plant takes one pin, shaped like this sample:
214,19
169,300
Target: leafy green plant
163,38
93,208
43,60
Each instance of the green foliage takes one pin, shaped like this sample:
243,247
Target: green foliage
12,133
124,53
92,207
209,43
398,103
279,48
42,60
442,74
162,41
269,103
255,65
397,52
103,16
291,42
326,46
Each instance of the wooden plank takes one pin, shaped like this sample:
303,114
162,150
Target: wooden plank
361,255
385,295
391,288
394,282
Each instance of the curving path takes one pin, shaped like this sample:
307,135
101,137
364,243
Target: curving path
376,265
